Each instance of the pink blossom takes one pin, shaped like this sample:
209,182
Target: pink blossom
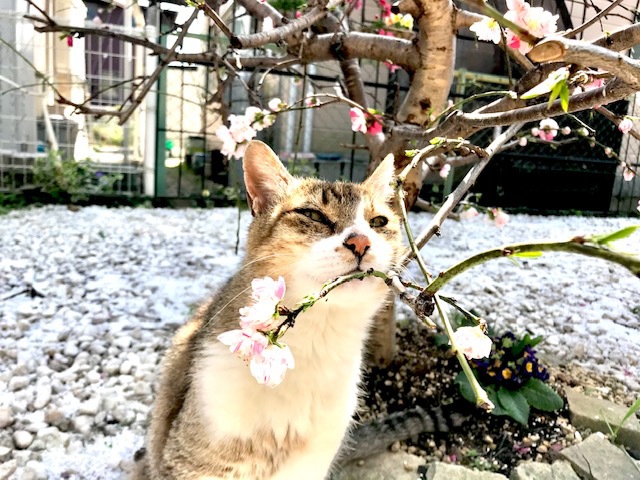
298,13
259,119
468,213
275,104
513,41
270,367
627,173
487,29
358,121
625,125
547,129
536,20
69,41
535,131
518,7
240,128
240,149
608,152
500,217
595,83
444,171
472,342
375,126
523,141
228,143
244,343
566,130
385,33
267,289
391,66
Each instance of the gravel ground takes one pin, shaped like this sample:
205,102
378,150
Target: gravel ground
77,363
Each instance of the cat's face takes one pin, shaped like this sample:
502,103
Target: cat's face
312,231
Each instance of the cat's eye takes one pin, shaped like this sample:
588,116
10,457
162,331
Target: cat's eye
379,221
315,215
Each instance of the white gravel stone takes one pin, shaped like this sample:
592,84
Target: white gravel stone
43,395
118,282
7,469
5,453
6,417
18,383
22,439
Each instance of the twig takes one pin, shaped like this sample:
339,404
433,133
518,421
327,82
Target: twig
575,245
555,49
164,61
615,119
213,15
602,13
467,182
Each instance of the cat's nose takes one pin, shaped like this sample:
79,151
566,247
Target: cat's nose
358,244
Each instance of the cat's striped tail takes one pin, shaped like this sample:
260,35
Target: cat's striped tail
377,435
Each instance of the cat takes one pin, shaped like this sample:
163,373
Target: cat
211,419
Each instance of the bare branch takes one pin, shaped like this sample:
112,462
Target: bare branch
281,33
573,51
164,61
602,13
621,40
465,18
458,194
213,15
605,112
262,10
436,49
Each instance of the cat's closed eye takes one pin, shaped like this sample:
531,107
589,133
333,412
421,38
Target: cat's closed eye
315,215
378,221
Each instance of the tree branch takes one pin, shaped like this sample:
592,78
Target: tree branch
436,50
458,194
575,245
555,49
602,13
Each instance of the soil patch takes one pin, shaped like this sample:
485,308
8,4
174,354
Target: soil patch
423,375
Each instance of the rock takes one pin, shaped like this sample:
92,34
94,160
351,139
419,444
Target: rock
52,437
597,414
5,454
36,471
598,459
90,407
56,418
444,471
43,395
543,471
82,424
123,415
22,439
6,417
386,466
18,383
7,469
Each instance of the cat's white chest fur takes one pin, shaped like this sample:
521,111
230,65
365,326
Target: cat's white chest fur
317,398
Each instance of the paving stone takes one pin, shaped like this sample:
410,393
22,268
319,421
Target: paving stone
386,466
445,471
594,413
559,470
598,459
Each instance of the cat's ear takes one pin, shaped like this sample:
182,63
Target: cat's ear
381,181
265,177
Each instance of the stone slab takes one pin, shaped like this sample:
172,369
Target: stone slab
385,466
559,470
594,413
445,471
598,459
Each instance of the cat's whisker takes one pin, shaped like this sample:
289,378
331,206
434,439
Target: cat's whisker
265,257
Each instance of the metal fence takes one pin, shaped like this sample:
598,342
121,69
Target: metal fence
188,164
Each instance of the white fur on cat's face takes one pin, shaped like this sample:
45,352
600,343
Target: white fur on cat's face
328,258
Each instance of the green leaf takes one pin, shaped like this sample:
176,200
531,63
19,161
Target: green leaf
633,409
615,236
555,91
498,411
524,342
515,404
465,387
527,254
564,97
541,396
441,340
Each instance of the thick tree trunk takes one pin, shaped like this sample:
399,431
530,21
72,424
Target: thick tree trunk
427,96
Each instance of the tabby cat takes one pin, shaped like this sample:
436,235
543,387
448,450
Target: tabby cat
211,419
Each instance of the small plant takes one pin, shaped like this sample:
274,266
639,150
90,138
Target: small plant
70,180
513,378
